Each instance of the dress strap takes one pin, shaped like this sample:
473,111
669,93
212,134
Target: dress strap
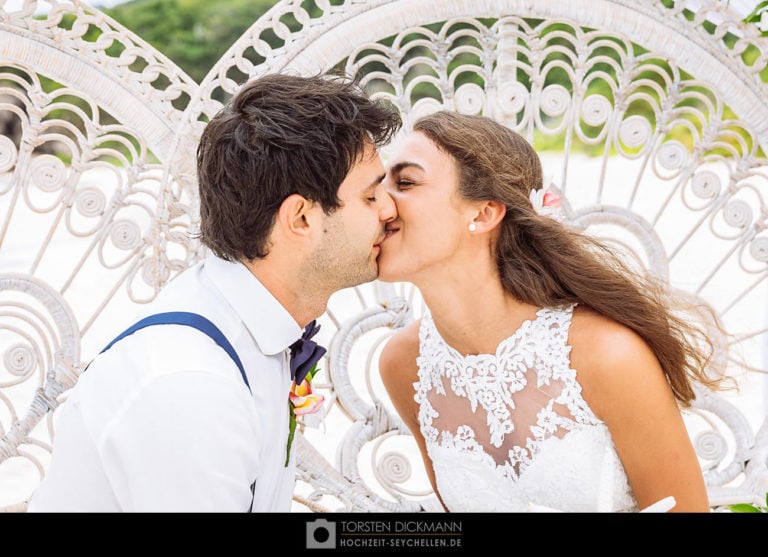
559,314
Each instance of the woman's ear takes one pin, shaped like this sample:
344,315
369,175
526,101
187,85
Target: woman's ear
488,216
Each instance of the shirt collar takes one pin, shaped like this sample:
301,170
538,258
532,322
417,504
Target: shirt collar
270,324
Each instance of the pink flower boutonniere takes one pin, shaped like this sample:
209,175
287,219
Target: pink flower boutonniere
301,401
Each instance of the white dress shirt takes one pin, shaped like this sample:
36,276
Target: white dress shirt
163,421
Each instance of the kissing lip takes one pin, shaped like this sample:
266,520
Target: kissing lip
388,231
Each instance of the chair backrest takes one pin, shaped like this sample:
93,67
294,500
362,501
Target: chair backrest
651,118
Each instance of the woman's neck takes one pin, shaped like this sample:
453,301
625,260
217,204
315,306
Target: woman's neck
471,310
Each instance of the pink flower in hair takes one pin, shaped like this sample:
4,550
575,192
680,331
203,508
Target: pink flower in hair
546,204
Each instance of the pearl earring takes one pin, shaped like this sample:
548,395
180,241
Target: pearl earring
472,227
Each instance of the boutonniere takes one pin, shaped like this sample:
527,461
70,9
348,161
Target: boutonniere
301,401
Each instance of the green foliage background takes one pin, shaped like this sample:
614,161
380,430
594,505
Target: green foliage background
194,34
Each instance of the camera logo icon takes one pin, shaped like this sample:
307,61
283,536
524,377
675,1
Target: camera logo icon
321,534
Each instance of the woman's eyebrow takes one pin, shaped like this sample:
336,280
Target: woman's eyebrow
405,164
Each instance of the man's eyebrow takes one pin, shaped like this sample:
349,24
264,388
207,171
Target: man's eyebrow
405,164
378,180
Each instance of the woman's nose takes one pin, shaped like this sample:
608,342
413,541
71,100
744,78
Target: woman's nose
387,208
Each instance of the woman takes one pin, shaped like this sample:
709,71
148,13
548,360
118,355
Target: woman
544,374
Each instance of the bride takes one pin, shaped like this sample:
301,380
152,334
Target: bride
544,374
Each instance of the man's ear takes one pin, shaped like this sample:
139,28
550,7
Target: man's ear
293,216
488,216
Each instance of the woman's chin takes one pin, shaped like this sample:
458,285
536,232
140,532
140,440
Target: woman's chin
392,266
388,272
388,277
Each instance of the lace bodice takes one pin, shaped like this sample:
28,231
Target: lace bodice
510,431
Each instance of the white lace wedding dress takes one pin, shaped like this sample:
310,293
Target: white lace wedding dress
510,431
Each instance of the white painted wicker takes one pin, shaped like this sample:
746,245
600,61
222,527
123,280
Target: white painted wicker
652,121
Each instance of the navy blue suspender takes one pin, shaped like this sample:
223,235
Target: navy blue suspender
192,320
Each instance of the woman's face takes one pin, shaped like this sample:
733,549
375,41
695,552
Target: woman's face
433,221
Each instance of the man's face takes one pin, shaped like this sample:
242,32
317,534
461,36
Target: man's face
348,252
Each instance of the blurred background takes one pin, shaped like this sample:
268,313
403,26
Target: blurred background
195,33
192,33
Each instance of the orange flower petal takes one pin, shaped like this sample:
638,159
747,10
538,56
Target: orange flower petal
308,405
301,390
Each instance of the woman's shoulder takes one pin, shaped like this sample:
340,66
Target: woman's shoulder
401,350
611,360
399,371
604,338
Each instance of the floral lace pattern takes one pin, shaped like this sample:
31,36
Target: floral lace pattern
514,426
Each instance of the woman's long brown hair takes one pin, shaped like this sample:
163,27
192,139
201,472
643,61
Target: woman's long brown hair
548,264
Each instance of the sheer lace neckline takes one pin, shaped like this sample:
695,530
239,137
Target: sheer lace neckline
520,333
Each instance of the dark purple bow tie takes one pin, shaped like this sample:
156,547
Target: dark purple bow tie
305,353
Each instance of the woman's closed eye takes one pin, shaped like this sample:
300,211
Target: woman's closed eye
402,183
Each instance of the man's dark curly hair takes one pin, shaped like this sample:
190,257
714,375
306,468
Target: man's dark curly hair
281,134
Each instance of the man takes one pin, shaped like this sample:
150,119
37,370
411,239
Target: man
292,209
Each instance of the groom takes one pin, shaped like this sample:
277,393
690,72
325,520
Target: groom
192,413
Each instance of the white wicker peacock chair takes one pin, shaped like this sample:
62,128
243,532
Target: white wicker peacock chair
651,118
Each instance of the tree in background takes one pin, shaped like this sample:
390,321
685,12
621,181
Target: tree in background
192,33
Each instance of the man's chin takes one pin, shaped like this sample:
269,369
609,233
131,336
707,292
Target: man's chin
369,276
